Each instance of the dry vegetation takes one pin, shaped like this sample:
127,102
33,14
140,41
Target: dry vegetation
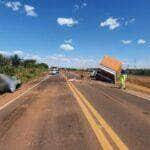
139,83
134,82
140,80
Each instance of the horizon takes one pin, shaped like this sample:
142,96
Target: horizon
76,33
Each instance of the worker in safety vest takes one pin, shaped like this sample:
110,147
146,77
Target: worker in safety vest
122,79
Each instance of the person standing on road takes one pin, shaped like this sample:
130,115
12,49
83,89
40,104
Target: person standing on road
122,79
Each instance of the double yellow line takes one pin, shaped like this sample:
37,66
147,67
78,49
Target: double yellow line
97,123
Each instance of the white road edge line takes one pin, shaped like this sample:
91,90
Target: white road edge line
129,92
136,94
5,105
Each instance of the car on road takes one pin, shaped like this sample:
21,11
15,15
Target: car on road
8,83
54,71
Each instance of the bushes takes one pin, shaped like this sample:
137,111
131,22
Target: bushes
23,69
15,60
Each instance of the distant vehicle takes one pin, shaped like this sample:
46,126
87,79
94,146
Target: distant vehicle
8,83
54,71
93,74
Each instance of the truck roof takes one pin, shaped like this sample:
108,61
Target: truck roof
111,63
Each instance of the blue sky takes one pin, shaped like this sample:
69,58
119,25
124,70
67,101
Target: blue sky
76,32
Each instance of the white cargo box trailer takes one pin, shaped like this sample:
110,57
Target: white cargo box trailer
108,69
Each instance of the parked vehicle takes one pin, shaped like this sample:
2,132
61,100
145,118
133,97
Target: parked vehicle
9,83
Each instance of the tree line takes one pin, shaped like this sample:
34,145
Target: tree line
142,72
25,69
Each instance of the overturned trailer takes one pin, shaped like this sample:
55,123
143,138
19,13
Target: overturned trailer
108,69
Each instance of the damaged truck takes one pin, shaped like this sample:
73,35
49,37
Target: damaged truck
108,70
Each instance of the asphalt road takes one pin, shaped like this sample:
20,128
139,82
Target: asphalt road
63,115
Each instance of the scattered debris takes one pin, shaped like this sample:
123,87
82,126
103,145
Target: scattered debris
72,80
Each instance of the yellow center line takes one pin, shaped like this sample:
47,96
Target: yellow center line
121,145
99,134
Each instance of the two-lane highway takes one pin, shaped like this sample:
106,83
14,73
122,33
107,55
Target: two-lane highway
62,115
46,118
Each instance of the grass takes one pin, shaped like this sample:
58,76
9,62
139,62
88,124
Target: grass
25,74
139,80
24,69
139,83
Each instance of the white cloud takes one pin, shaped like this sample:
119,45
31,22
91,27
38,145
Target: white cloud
8,53
27,55
32,56
5,53
67,21
22,55
141,41
66,47
36,57
84,4
66,61
18,52
80,5
13,5
58,59
130,21
111,22
30,10
69,41
126,41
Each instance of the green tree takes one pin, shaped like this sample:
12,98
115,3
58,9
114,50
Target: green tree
29,63
43,65
4,60
15,60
